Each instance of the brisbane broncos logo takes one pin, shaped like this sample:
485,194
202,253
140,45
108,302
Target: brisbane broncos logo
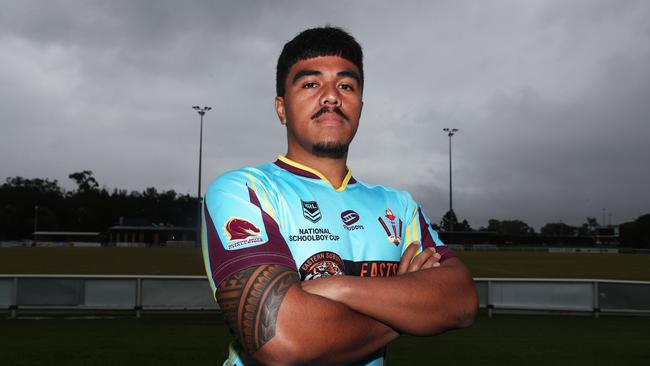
238,229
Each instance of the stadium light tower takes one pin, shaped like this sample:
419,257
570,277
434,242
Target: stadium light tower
450,132
201,112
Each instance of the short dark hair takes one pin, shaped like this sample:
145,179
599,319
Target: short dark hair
315,42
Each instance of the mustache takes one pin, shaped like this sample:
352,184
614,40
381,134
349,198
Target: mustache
325,109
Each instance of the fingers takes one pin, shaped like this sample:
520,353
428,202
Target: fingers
420,260
407,256
433,261
411,261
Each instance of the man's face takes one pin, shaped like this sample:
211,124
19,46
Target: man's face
321,106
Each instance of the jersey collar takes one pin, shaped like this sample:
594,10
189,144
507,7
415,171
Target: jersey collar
307,172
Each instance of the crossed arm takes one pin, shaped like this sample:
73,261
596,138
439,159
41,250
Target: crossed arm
423,300
341,319
278,323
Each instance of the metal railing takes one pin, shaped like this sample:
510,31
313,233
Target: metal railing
564,295
99,293
41,294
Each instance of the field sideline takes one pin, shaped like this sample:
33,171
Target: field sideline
188,261
200,340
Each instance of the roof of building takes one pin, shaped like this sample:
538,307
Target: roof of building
66,233
151,228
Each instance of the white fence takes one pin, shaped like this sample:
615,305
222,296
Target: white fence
564,295
94,294
38,294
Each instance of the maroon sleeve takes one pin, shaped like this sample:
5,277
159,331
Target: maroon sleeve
427,238
243,203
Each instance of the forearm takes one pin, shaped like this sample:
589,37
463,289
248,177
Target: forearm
425,302
279,323
319,331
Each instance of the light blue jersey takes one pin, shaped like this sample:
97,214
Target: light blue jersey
289,214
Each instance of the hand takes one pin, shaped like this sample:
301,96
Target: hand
410,262
325,287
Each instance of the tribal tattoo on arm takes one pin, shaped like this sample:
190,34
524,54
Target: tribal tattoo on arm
250,301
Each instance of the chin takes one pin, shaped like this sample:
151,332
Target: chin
330,149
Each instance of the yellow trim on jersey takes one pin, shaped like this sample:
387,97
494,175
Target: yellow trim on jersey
269,208
414,226
254,186
231,355
265,201
416,230
407,239
344,184
413,233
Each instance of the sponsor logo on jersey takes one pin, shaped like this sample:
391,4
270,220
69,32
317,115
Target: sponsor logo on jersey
350,218
314,234
242,233
322,264
371,268
393,236
311,211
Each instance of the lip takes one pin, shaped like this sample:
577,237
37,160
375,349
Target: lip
329,118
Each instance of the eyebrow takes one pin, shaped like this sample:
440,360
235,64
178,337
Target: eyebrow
309,72
350,74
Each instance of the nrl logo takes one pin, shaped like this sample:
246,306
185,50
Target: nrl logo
394,236
311,211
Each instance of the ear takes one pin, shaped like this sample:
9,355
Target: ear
279,109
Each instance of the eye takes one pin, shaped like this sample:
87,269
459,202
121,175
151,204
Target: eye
310,85
347,87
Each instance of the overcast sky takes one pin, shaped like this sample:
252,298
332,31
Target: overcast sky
552,98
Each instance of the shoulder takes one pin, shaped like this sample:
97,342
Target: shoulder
236,180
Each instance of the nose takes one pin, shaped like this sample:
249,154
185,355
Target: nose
330,96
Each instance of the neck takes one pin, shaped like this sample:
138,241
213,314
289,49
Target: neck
333,169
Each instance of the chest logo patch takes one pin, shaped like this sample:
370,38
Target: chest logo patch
311,211
322,264
393,236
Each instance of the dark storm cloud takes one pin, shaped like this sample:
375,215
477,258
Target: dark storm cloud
550,97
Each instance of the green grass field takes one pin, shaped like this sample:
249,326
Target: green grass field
185,261
200,340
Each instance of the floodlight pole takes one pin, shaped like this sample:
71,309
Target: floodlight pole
450,133
201,112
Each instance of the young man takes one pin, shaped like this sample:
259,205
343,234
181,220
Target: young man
308,264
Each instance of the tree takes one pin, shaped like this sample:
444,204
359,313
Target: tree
463,226
88,208
510,227
448,221
589,227
85,181
636,233
18,200
559,229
